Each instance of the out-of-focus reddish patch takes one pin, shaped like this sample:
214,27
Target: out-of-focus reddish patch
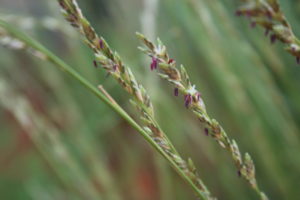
21,145
38,101
97,185
145,184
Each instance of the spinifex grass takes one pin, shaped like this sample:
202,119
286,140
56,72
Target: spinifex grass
113,64
192,99
267,13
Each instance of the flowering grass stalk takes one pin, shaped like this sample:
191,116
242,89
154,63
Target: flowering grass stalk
267,13
115,67
17,40
167,69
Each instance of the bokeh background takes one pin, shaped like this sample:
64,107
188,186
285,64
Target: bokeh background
75,147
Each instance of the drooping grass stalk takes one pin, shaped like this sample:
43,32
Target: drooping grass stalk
267,13
113,64
168,70
184,169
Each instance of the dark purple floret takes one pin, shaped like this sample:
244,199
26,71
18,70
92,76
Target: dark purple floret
239,173
176,92
115,67
188,100
95,63
170,61
206,131
198,96
154,63
101,44
273,38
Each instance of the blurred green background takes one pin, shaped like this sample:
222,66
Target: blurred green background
58,141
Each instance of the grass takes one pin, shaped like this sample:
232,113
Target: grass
193,101
250,86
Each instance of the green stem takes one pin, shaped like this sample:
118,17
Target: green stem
69,70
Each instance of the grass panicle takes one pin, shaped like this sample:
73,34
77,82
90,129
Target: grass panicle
14,39
179,78
267,13
186,171
115,67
